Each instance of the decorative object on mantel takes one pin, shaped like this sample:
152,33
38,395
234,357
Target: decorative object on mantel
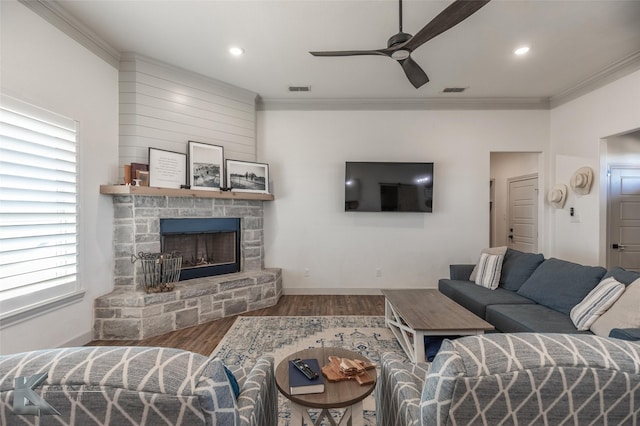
167,169
134,170
581,180
558,195
160,270
206,169
245,176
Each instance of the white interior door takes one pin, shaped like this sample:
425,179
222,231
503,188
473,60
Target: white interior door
624,218
522,213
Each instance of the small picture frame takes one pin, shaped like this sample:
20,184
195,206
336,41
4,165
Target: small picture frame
206,166
246,176
167,169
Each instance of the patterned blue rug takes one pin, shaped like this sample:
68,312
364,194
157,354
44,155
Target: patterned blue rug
251,337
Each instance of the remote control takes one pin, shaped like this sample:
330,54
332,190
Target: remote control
304,368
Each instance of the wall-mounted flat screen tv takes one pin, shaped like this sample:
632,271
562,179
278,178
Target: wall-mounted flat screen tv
388,187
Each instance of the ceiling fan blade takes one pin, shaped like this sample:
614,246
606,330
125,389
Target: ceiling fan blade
349,53
416,75
455,13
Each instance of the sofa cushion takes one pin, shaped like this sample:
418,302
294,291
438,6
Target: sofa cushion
492,250
450,287
476,298
529,318
631,334
623,314
596,303
622,275
517,267
560,285
488,270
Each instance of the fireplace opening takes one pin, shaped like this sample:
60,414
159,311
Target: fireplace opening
208,246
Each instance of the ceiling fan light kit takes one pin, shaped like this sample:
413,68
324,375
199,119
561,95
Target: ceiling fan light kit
401,45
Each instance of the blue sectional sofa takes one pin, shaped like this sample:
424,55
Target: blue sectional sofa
534,295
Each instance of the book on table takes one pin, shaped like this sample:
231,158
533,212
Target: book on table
299,384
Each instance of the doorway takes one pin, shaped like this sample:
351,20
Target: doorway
522,213
623,201
623,249
506,167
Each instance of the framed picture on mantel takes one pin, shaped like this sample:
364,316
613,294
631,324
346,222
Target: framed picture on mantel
166,168
206,170
245,176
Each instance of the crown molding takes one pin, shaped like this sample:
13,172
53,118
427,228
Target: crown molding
605,76
401,104
53,13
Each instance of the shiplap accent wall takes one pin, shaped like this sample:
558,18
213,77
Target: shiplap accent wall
164,107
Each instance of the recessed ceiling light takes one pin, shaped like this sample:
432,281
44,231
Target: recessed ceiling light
521,50
236,51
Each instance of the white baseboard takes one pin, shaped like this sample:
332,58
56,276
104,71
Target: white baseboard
331,291
80,340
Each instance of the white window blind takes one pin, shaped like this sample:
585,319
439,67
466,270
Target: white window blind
38,207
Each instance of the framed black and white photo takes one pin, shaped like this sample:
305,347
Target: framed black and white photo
166,168
206,167
245,176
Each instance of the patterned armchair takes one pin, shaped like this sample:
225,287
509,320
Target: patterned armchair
522,378
138,386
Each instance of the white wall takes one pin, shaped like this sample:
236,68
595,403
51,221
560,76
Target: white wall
306,226
42,66
623,149
578,129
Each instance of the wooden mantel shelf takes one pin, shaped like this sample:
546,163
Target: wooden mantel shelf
170,192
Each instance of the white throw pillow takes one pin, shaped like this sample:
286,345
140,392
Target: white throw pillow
596,303
493,250
488,271
625,313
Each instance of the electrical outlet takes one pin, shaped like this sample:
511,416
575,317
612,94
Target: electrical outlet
306,273
378,272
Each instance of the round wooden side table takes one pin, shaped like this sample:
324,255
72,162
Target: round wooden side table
346,394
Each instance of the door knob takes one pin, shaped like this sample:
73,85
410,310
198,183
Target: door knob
620,247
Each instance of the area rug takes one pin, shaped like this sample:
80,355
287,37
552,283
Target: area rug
251,337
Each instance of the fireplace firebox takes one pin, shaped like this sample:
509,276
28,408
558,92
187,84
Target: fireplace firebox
209,246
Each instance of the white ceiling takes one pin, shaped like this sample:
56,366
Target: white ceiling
571,42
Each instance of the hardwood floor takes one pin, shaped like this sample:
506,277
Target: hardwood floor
204,338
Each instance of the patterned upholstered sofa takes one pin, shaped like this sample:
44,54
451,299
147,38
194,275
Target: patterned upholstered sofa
138,386
521,378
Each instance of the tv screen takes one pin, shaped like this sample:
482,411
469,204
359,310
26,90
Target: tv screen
388,187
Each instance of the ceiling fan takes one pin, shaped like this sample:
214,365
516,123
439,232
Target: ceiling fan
400,45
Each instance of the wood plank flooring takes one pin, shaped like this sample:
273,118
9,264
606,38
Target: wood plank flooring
204,338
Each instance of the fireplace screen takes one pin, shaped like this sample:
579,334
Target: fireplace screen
209,246
200,250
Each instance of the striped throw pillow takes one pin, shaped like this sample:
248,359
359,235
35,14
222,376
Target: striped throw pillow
596,303
488,270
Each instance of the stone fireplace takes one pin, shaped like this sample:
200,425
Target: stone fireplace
229,282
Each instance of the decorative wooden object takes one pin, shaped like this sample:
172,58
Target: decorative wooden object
340,369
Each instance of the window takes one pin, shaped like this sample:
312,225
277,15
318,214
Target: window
38,210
